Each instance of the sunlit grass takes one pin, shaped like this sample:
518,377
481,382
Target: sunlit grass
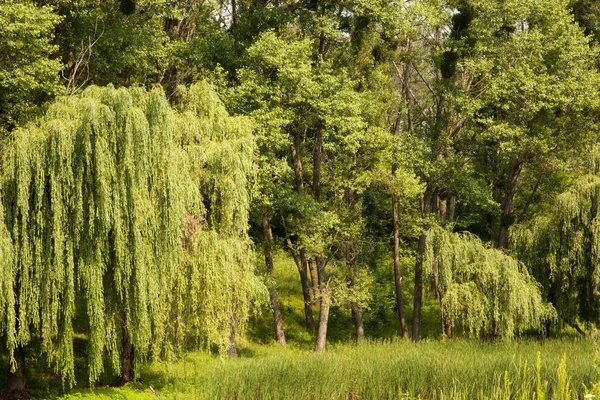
374,370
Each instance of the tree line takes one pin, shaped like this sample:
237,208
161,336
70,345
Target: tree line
151,148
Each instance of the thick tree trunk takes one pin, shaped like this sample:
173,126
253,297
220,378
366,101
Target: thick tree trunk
127,358
268,248
451,207
418,292
508,205
358,322
15,387
321,341
397,274
232,349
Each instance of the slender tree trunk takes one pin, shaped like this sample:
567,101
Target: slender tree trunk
427,201
325,304
397,274
357,313
296,163
418,292
310,322
302,264
127,358
15,387
508,205
315,283
268,248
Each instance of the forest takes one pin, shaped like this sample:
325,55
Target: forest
299,199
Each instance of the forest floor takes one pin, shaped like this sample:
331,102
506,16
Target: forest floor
391,368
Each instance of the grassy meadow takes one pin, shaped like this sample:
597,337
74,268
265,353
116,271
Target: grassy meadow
436,368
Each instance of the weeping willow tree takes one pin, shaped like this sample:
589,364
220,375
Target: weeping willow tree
562,250
111,203
482,290
218,284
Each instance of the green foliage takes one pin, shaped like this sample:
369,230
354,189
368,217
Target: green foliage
562,248
96,197
483,290
28,73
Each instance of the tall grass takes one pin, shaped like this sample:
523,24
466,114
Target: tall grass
385,370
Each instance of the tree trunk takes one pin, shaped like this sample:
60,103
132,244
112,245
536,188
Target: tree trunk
232,349
451,207
127,358
358,322
325,303
397,275
357,313
301,264
418,293
268,248
315,283
15,387
296,163
508,206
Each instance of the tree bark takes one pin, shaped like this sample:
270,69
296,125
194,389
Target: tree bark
268,248
357,313
232,349
315,283
397,275
127,358
15,387
418,292
325,304
451,207
508,205
296,163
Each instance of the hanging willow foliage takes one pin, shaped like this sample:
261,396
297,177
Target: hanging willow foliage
218,277
97,198
563,250
483,290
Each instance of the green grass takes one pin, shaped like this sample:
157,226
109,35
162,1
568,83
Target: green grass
374,370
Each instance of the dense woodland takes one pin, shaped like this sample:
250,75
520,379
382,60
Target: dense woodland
157,155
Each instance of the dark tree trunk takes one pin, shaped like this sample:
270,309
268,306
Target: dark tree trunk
268,248
418,293
325,304
358,322
127,358
451,207
232,349
15,387
508,205
357,313
315,283
308,312
397,274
